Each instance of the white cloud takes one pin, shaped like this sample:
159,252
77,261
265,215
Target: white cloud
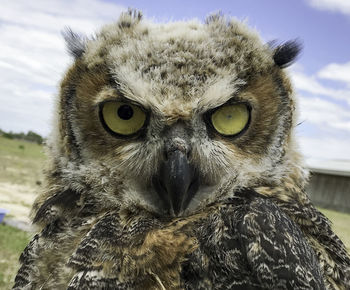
342,6
325,131
336,72
33,54
325,147
313,85
324,114
83,15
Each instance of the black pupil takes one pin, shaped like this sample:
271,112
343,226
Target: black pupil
125,112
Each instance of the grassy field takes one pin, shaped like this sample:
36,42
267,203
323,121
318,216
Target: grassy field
341,222
12,243
21,165
21,162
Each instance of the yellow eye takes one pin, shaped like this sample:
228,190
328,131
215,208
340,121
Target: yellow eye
122,118
230,119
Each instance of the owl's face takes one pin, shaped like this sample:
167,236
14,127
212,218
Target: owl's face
177,115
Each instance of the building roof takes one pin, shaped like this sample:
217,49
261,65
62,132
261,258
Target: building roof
333,167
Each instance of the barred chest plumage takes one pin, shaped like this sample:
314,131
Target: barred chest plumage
246,242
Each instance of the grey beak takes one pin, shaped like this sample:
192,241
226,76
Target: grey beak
176,182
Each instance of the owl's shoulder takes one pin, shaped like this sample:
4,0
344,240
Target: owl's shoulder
249,241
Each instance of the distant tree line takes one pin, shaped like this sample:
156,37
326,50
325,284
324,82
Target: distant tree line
29,136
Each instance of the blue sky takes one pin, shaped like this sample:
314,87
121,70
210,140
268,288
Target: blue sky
33,56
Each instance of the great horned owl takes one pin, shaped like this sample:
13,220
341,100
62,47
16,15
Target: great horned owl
173,166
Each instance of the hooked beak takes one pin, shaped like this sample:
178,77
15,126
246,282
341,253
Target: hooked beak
176,182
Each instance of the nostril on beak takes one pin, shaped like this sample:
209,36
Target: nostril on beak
174,145
168,152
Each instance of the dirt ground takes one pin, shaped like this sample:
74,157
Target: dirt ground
18,199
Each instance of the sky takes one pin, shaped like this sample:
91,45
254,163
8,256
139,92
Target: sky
33,56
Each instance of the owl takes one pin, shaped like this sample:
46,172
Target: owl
173,165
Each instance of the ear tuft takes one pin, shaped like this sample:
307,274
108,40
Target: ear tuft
135,14
285,54
129,18
215,17
76,43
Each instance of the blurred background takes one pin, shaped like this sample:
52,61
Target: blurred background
33,58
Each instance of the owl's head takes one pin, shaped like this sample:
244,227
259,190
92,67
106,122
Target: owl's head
172,117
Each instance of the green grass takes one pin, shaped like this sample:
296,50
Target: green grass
12,243
341,223
21,162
